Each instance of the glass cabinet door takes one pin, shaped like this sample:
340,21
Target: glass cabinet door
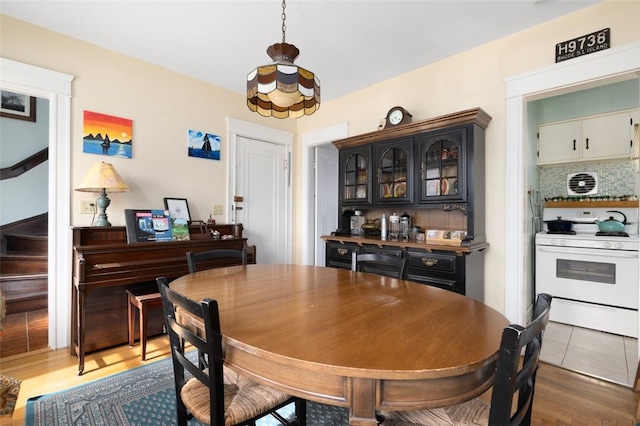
441,167
355,182
394,180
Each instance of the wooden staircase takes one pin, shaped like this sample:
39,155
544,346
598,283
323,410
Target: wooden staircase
24,265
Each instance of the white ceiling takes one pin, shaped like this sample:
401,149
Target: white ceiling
349,44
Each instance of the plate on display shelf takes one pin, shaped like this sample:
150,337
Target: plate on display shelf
433,188
445,187
400,190
386,190
362,176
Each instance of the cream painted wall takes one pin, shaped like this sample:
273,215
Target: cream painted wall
164,105
476,79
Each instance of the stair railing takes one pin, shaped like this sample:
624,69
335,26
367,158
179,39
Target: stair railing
24,165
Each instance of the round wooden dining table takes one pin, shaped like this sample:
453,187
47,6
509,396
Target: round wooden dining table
351,339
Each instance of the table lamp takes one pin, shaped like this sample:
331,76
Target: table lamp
102,177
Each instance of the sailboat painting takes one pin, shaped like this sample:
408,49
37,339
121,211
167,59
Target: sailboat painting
107,135
204,145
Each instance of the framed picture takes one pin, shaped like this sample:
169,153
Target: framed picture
203,145
178,208
107,135
18,106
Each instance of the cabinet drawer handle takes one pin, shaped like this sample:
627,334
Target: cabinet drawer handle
574,144
429,261
587,141
343,251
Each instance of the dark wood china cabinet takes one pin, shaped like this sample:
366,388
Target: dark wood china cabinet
432,168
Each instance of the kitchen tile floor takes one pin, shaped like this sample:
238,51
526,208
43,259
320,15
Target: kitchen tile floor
603,355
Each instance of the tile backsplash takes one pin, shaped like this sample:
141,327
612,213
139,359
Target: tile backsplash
614,177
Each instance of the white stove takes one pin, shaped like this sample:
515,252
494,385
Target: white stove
594,279
586,229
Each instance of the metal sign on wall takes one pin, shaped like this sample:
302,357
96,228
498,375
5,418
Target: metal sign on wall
584,45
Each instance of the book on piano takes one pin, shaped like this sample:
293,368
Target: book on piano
147,225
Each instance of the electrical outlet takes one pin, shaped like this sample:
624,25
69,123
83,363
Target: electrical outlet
217,209
87,207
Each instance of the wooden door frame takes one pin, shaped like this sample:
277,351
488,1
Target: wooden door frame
596,69
307,221
56,88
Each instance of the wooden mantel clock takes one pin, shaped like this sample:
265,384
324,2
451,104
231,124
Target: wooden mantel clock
396,117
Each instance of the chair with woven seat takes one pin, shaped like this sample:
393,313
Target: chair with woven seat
214,394
193,259
511,376
380,264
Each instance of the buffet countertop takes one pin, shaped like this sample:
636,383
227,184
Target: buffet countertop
435,244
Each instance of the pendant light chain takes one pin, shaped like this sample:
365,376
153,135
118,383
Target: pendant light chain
283,16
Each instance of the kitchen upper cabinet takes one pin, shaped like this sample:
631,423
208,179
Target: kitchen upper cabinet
394,167
603,137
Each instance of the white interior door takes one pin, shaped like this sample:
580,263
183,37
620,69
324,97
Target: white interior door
326,197
262,180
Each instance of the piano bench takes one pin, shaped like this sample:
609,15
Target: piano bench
143,300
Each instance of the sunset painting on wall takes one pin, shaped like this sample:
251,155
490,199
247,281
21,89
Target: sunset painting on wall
107,135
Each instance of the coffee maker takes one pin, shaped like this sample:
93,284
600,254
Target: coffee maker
345,223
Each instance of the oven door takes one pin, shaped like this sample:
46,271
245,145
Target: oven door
608,277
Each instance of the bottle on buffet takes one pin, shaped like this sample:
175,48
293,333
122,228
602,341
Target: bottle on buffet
394,227
383,227
405,225
357,220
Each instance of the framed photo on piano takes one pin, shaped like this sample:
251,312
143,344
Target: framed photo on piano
178,208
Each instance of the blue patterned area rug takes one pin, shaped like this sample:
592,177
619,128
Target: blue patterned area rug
141,396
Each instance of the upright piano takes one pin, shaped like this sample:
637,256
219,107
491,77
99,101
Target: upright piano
105,266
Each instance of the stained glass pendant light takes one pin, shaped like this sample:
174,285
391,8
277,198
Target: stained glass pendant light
282,89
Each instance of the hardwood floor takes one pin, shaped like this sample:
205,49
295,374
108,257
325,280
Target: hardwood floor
24,332
561,398
50,371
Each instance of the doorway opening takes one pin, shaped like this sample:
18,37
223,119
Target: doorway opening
596,70
56,88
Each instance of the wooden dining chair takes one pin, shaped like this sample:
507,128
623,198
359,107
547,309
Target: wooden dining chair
214,395
195,259
511,376
380,264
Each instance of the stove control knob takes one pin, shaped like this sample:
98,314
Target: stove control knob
562,242
606,244
553,242
619,246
